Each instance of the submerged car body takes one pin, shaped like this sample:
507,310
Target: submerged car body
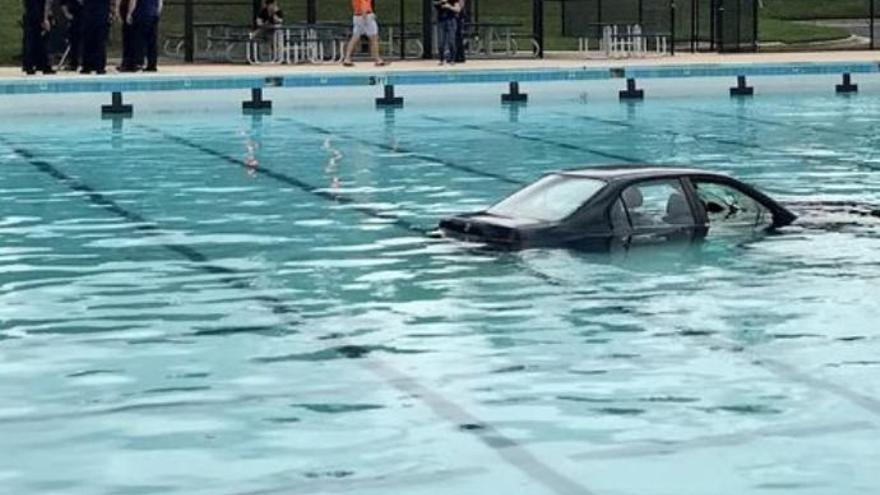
603,207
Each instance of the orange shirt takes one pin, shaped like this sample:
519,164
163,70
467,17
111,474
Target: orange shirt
362,7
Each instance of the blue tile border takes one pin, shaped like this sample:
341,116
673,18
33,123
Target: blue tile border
127,84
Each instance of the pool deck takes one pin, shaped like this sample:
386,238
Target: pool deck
557,67
565,61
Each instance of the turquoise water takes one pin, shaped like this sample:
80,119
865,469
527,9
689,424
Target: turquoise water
177,319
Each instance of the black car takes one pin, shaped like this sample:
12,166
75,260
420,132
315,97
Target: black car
603,207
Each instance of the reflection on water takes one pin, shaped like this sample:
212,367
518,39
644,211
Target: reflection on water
170,324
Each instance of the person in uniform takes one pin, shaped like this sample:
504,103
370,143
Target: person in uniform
96,24
144,18
128,63
459,33
72,10
35,26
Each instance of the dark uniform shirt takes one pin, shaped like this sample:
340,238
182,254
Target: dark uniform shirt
146,9
96,10
34,10
73,6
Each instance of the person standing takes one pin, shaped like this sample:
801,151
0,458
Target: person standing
447,19
143,16
128,63
35,26
96,23
72,10
363,24
459,33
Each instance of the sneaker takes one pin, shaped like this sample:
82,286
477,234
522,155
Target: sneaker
151,69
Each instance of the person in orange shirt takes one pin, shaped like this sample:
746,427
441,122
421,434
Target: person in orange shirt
363,24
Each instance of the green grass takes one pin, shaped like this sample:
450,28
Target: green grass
10,32
777,30
816,9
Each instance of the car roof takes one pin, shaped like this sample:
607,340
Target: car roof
611,173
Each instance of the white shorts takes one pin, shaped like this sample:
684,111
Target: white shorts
364,25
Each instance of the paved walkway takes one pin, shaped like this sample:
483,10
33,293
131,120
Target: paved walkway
554,60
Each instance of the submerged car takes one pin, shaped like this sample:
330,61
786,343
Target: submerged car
606,207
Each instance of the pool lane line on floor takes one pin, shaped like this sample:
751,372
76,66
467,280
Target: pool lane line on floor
537,139
292,181
702,137
150,228
505,447
421,156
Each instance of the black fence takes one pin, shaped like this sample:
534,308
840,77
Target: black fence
722,25
536,25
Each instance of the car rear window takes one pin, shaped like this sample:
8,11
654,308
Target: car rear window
550,199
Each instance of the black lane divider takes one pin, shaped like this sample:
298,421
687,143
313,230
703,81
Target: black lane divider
420,156
536,139
289,180
146,227
724,141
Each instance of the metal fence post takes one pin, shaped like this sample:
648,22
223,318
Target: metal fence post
672,27
427,31
188,33
311,11
873,25
538,25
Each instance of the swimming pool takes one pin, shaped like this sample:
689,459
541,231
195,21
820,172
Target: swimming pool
175,318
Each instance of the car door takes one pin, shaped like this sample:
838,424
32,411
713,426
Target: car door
730,213
655,211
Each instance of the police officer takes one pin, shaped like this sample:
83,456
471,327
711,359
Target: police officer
144,17
128,63
35,26
72,10
96,23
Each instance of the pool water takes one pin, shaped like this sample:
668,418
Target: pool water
209,303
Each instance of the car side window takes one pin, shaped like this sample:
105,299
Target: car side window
660,203
726,205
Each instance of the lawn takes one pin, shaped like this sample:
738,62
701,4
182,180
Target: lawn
10,32
777,30
817,9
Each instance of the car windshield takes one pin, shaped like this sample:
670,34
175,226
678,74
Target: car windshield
549,200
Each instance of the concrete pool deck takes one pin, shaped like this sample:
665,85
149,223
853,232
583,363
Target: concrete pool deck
562,60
